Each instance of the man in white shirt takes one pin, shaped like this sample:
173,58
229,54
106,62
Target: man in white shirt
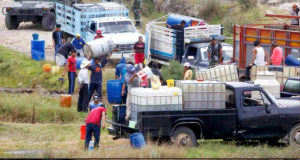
83,81
258,59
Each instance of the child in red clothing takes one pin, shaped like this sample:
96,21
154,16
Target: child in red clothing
71,66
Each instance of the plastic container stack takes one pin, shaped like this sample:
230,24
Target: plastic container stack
225,73
268,82
202,95
281,73
148,99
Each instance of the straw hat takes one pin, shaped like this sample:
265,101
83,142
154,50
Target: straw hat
85,63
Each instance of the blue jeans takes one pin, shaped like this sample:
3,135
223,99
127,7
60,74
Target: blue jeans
97,87
92,128
71,76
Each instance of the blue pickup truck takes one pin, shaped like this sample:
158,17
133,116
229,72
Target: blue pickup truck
246,117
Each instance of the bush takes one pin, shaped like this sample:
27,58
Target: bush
248,3
211,9
173,71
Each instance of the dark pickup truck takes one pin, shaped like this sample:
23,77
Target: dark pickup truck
291,87
251,113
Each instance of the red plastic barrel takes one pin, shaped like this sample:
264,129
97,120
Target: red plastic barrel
82,129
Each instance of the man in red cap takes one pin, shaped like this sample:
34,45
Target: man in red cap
294,12
99,35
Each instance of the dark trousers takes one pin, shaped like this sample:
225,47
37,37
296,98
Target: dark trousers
83,99
248,68
125,96
89,129
71,76
97,87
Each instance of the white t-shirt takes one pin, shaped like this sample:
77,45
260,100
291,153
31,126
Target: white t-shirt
260,57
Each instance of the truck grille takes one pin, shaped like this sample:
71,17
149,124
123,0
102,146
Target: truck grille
124,47
26,11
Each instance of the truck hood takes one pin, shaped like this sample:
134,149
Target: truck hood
32,4
124,38
289,102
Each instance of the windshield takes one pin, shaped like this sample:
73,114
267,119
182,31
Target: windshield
116,27
292,86
273,98
227,53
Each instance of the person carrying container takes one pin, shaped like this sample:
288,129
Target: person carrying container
63,53
214,52
294,12
258,58
96,76
188,73
277,55
144,82
179,38
99,35
139,51
120,67
83,81
57,39
132,81
78,43
93,125
71,67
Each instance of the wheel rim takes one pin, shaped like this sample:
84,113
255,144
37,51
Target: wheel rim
296,137
183,140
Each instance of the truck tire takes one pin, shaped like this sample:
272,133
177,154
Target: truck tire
48,22
9,23
294,136
183,137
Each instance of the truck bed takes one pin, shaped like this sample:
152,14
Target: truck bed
161,123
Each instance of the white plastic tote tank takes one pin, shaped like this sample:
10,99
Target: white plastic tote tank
99,47
202,94
225,73
268,82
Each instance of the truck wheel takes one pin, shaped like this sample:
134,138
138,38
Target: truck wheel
48,22
9,22
69,39
184,137
294,136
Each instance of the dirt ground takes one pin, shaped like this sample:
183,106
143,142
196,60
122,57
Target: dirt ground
20,39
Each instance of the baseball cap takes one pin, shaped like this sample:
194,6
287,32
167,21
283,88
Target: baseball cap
274,43
58,25
187,64
212,38
98,31
295,5
131,68
103,105
78,35
96,97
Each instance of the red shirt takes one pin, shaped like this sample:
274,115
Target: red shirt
139,47
96,37
72,64
95,116
277,56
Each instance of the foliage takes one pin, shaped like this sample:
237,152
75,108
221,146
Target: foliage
247,3
211,9
173,71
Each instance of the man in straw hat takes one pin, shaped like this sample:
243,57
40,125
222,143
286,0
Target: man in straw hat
83,81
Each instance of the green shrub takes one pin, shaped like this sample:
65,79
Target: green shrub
211,9
173,71
248,3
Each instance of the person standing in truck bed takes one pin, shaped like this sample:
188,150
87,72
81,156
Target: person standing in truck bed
277,55
214,52
179,38
294,12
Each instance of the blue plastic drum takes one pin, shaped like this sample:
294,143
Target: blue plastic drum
174,19
38,49
137,140
79,61
114,89
292,61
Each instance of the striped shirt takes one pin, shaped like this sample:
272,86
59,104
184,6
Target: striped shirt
293,20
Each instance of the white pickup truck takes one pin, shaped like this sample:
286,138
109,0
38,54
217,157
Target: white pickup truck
110,17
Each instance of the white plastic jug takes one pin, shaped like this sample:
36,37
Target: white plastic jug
99,47
91,145
145,72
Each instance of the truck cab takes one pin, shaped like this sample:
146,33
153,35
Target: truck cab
291,87
196,55
121,30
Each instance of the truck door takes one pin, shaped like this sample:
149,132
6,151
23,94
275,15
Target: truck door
259,116
91,33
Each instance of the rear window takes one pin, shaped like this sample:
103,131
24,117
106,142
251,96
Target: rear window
292,86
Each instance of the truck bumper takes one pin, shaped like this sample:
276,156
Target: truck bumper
120,130
116,57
